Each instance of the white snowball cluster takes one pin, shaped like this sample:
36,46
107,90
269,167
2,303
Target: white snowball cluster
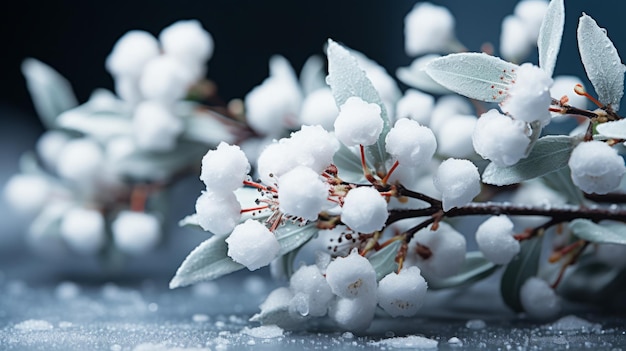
312,294
410,143
131,52
538,299
500,138
302,193
364,210
358,122
402,294
155,127
27,193
458,181
596,167
218,212
83,230
80,161
495,240
225,168
252,245
447,248
428,28
319,108
415,105
136,232
520,31
528,98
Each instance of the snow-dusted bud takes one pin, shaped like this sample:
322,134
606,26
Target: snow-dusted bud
415,105
135,232
165,79
596,167
218,213
538,299
402,294
514,40
252,245
225,168
528,97
531,13
302,193
458,181
187,41
455,136
83,230
275,160
410,143
319,108
315,294
155,127
445,253
314,147
428,28
49,145
495,240
353,314
352,276
80,160
364,210
27,193
358,122
131,52
500,138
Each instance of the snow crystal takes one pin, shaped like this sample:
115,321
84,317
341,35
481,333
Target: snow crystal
33,325
411,341
264,332
475,324
454,341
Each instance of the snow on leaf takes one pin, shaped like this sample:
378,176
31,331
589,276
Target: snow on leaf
602,62
475,75
522,267
550,34
614,129
613,233
549,154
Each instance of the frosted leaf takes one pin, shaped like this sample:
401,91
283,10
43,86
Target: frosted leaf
596,167
495,239
538,299
415,76
458,181
218,213
83,230
550,34
136,232
252,245
225,168
613,129
364,210
302,193
602,62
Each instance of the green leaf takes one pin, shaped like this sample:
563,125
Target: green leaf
522,267
292,236
614,129
416,77
384,260
602,62
51,93
312,75
561,181
347,79
475,75
349,165
207,261
606,233
549,154
475,268
550,34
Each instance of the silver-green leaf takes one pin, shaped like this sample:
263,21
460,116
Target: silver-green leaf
291,236
602,62
475,75
416,77
614,129
549,154
384,260
522,267
475,268
550,34
606,233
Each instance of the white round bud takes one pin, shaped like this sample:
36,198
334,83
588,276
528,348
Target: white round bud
187,41
402,294
415,105
252,245
538,299
500,138
155,127
49,146
446,251
596,167
455,136
27,193
353,314
319,108
218,213
309,281
410,143
80,161
495,240
352,276
428,28
83,230
302,193
358,122
515,44
458,181
165,79
364,210
135,232
528,97
225,168
131,52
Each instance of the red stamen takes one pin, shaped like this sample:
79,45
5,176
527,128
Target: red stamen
578,89
252,209
393,168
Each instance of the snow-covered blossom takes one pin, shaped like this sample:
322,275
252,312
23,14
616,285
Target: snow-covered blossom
415,105
454,136
302,193
495,239
538,299
187,41
596,167
352,276
225,168
135,232
131,52
218,213
252,245
364,210
410,143
319,108
358,122
528,97
155,127
80,160
83,230
165,79
458,181
445,254
428,28
312,290
402,294
500,138
27,193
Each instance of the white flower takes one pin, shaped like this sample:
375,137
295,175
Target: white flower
596,167
155,127
446,250
352,276
165,79
528,96
187,41
428,28
402,294
310,284
252,245
538,299
135,232
225,168
458,181
319,107
495,239
302,193
218,213
131,52
83,230
500,138
358,122
415,105
410,143
364,210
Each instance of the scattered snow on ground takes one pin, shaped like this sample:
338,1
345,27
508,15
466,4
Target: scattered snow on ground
411,341
264,332
33,325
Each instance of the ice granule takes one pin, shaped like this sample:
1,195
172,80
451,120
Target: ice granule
264,332
33,325
411,341
200,318
205,289
67,291
475,324
454,341
571,323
